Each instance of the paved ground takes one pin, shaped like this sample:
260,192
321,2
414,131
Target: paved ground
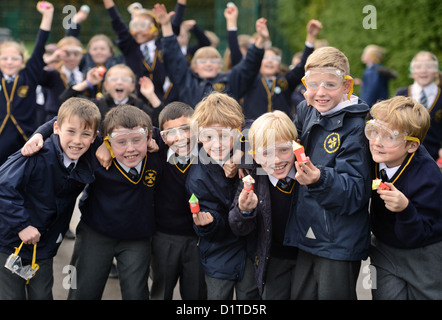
112,290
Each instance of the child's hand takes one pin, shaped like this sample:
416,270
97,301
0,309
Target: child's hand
247,201
202,218
29,235
307,173
45,7
33,145
394,200
231,15
230,167
152,146
93,76
161,12
313,28
147,87
263,32
104,156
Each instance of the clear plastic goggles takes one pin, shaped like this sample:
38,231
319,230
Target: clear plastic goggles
282,151
121,140
223,135
329,78
208,60
11,58
139,24
422,66
172,134
121,79
377,130
14,264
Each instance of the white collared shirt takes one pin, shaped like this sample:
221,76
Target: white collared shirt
389,171
77,73
353,100
122,101
151,46
126,168
67,161
193,152
291,175
430,92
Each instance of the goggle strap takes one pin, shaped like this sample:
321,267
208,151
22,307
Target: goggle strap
347,77
408,138
107,143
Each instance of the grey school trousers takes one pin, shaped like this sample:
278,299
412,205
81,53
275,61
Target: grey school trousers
404,274
93,256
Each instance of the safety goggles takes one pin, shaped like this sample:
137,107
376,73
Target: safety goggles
272,58
139,24
377,130
119,79
223,135
11,58
121,140
208,60
329,78
282,151
73,53
14,264
172,134
421,66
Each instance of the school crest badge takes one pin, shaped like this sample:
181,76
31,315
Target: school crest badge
332,142
438,116
283,84
219,87
22,91
149,178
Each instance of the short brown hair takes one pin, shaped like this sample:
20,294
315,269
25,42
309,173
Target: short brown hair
404,114
174,110
125,116
85,109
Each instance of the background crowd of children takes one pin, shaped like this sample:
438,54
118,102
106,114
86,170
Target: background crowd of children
139,133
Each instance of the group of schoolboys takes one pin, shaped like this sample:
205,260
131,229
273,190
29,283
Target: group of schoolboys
299,233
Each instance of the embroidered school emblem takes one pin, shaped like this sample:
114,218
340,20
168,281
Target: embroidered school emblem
283,84
219,87
332,142
22,91
438,116
149,178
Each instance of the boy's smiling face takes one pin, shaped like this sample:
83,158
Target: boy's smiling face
75,138
177,135
129,145
325,90
276,160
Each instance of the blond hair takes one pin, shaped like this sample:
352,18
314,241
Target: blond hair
271,127
205,53
376,52
218,108
328,57
84,109
120,66
404,114
17,46
102,37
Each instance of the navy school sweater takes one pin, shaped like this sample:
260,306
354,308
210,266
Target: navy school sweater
420,224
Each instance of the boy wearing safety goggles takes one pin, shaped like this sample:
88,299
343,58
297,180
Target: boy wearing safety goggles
226,262
406,220
264,209
117,214
175,255
425,71
37,198
329,221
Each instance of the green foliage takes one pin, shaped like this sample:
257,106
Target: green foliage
403,28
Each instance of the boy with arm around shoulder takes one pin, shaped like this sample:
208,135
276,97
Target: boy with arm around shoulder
38,196
329,218
407,219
